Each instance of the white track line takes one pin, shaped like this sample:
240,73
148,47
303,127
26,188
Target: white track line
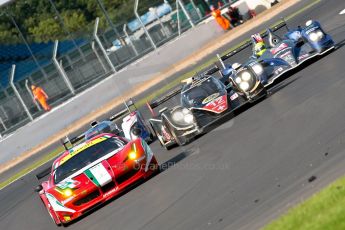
342,12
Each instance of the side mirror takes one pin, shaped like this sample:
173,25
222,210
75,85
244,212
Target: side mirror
38,188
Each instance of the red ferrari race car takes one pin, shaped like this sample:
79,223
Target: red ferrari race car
94,172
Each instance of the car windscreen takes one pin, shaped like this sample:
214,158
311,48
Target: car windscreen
195,95
86,157
100,128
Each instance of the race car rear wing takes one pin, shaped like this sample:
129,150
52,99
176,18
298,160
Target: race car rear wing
153,104
68,142
43,173
129,104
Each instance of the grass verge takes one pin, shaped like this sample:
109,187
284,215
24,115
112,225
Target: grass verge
324,210
170,85
44,159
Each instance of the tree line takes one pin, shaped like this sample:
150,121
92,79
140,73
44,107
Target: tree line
47,20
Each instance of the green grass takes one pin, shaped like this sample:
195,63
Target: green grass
44,159
324,210
170,85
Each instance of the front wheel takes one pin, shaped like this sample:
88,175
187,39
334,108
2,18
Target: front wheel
180,140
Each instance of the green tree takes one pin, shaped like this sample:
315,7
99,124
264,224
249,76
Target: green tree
46,30
39,22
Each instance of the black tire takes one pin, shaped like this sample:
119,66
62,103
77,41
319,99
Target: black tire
160,139
179,139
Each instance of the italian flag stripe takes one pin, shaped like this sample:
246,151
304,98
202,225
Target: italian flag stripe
89,174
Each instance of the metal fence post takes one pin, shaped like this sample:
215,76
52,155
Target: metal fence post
66,31
60,69
142,24
98,57
178,19
130,40
196,9
32,96
186,13
100,3
154,11
3,124
101,46
17,93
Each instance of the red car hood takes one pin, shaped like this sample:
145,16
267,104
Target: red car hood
96,174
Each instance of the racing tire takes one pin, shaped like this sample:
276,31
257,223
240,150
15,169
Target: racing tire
160,140
180,140
51,216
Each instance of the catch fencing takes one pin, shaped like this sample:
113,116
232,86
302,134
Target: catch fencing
69,66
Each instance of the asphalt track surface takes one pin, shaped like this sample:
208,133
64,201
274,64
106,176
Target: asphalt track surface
243,173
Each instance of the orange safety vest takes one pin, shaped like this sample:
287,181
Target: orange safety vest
41,97
223,22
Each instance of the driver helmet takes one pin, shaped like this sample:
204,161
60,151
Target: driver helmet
259,49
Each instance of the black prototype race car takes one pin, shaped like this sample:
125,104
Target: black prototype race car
204,99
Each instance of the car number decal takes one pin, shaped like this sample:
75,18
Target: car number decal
234,96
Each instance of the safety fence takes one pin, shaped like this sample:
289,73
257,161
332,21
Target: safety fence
78,60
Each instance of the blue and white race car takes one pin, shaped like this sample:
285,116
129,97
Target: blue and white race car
289,52
280,55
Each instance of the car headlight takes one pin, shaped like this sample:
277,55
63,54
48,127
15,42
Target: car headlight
177,115
185,111
258,69
244,86
132,155
238,80
316,36
189,118
313,37
246,76
320,34
67,192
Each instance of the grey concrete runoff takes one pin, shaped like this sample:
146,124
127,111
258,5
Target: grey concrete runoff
240,175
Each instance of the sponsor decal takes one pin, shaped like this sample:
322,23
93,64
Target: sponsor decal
57,206
234,96
69,183
311,29
109,192
303,56
210,98
288,57
279,48
279,70
218,105
99,174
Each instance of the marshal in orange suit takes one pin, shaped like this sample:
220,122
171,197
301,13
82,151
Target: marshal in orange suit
222,21
41,97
